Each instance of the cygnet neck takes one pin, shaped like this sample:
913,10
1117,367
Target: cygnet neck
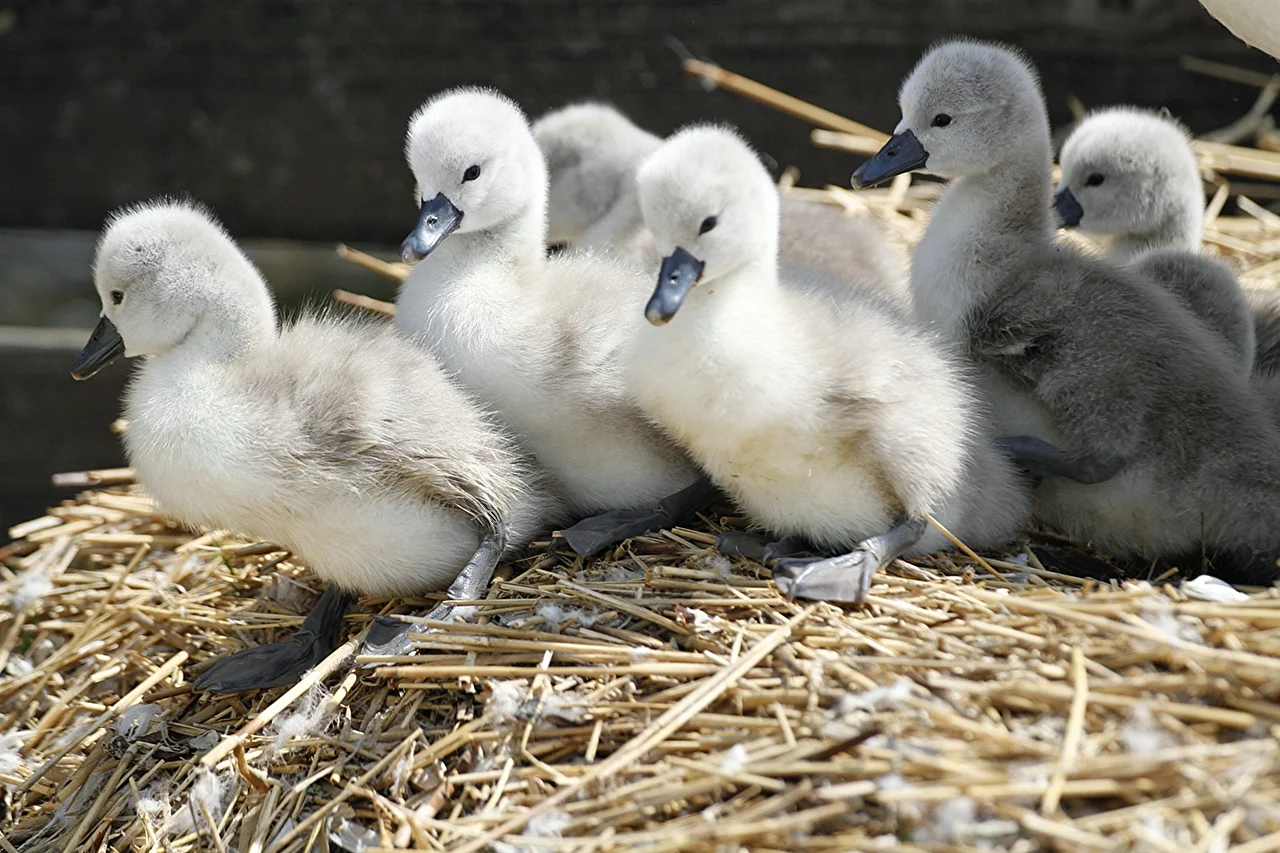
519,239
1180,229
1015,195
229,328
755,277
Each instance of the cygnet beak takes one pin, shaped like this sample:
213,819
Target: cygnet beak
439,219
902,153
105,346
1068,208
680,272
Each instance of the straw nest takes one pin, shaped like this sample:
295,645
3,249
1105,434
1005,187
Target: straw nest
661,698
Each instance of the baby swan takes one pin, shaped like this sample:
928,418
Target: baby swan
832,421
333,438
539,338
593,152
1130,177
1074,350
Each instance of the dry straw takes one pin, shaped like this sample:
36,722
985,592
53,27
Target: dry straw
660,699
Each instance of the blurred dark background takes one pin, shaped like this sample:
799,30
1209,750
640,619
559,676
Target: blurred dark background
287,117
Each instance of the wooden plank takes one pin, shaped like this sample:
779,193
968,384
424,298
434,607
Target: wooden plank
288,116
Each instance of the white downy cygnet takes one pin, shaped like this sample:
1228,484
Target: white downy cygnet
1129,177
1074,350
332,437
538,338
833,421
593,151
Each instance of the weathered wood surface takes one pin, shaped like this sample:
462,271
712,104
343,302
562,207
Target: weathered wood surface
287,115
50,423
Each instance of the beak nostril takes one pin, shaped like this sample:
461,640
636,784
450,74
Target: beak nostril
432,220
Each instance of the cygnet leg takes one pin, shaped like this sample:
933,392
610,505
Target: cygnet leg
390,636
1041,459
592,535
846,578
761,547
278,664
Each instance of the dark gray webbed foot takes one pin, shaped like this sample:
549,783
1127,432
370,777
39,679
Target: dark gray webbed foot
1041,459
279,664
390,636
742,543
761,547
846,578
590,536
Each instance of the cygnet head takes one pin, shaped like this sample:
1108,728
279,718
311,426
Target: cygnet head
967,108
1127,171
592,151
712,209
476,167
164,270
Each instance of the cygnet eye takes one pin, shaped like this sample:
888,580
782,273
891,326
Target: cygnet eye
707,224
1095,179
941,120
471,174
117,296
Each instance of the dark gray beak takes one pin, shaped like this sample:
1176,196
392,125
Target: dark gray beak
902,153
680,272
105,346
1068,208
439,219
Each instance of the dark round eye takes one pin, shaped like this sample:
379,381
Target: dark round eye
117,296
471,174
1095,179
941,120
707,224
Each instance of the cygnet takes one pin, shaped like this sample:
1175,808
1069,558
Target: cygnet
1074,350
593,152
331,437
538,338
830,421
1129,176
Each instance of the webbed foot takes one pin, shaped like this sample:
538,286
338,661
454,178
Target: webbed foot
761,547
592,535
847,577
278,664
390,636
